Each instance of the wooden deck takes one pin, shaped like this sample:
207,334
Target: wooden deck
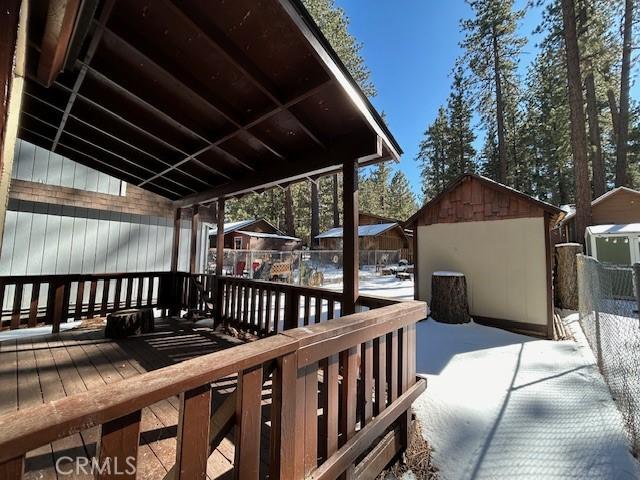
41,369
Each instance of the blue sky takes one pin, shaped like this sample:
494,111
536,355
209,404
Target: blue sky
411,47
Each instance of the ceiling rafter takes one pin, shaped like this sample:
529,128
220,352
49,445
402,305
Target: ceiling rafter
100,77
251,124
185,85
122,157
239,60
113,137
93,45
97,160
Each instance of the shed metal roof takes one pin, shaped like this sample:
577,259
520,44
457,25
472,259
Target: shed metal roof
268,235
363,230
234,226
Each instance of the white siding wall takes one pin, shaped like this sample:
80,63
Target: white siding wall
35,164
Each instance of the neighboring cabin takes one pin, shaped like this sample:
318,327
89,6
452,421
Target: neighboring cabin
620,206
379,236
499,238
256,234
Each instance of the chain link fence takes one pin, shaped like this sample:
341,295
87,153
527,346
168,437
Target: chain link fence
303,267
609,299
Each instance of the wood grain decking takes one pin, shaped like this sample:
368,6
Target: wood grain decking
41,369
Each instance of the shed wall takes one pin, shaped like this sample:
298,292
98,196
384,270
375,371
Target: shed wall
503,260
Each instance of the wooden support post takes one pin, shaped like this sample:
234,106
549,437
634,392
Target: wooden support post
350,247
174,308
219,261
248,417
13,44
195,230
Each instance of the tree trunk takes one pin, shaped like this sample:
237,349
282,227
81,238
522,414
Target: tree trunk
449,297
124,323
566,275
335,201
623,123
502,148
315,213
289,219
613,107
597,165
577,120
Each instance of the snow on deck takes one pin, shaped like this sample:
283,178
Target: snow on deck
502,405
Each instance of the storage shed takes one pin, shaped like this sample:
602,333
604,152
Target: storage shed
499,238
379,236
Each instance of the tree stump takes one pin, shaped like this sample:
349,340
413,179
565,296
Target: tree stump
449,302
124,323
566,277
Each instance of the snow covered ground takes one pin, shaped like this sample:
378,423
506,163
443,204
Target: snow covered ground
382,286
502,405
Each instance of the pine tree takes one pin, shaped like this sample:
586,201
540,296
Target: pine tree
432,156
402,201
460,137
577,119
492,49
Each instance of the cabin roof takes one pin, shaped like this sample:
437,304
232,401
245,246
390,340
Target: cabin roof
363,230
195,100
547,207
603,198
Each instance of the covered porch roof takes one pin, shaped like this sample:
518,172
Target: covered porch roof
194,100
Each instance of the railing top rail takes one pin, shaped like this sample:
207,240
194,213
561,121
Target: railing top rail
322,339
283,286
46,278
31,428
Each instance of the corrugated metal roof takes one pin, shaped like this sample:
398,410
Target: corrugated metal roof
232,226
363,230
267,235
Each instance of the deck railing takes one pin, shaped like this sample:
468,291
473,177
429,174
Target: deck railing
341,393
33,300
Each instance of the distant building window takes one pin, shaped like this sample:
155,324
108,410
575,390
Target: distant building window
237,243
36,164
613,249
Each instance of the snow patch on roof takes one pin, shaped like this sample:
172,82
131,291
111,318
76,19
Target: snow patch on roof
614,229
268,235
232,226
363,230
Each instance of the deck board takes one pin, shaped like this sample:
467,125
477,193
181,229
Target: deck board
41,369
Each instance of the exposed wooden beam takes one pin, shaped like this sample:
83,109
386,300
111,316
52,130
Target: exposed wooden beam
313,164
245,128
91,50
334,67
113,137
234,55
122,173
56,39
109,152
186,84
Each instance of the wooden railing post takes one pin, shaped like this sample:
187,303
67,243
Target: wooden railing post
118,447
291,309
12,469
59,292
192,449
249,419
287,421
